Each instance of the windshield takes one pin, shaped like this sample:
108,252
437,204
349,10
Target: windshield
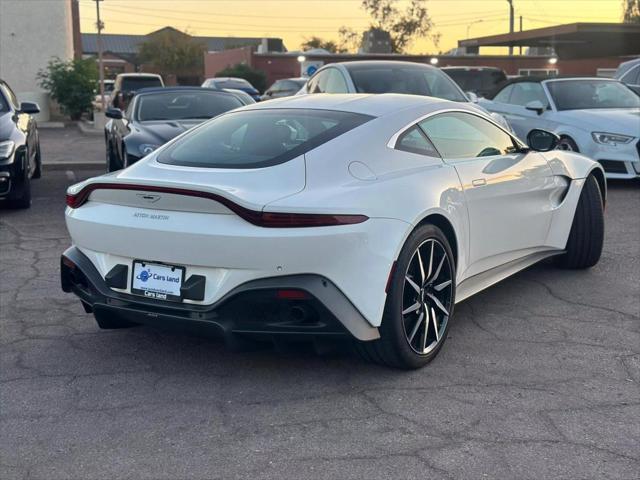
476,80
233,83
586,94
259,138
411,79
184,105
131,84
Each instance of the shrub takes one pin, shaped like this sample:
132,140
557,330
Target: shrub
255,77
70,83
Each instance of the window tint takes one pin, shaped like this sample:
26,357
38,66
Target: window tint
183,105
397,77
463,135
526,92
414,141
504,94
259,138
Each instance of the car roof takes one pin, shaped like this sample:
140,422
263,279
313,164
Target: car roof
144,91
376,63
154,75
376,105
461,67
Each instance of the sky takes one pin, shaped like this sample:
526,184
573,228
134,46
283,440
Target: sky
295,20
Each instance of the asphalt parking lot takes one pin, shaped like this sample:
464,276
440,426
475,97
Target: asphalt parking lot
539,378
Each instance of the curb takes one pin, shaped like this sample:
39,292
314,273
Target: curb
87,129
51,125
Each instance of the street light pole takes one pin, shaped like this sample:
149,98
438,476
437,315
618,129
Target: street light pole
100,69
511,14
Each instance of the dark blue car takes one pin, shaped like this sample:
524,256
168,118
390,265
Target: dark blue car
222,83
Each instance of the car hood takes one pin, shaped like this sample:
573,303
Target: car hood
160,132
625,121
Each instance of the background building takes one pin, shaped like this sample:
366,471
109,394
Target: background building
120,52
31,33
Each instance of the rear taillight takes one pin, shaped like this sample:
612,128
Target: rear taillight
292,294
261,219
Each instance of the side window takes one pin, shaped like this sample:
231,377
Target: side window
504,94
335,82
414,141
458,135
526,92
633,76
11,96
318,84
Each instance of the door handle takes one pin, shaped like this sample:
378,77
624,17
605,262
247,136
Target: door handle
478,182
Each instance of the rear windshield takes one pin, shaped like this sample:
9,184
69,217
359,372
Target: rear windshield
233,83
476,80
410,79
258,138
131,84
182,105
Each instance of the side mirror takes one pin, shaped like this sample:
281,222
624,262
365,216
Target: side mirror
473,98
542,141
114,113
29,107
536,106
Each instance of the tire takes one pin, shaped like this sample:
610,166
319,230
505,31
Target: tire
568,144
37,173
586,237
414,325
20,196
111,322
110,160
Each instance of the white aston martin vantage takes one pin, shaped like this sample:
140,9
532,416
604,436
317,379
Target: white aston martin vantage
366,216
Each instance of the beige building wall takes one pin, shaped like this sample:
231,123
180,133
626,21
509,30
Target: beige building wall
32,32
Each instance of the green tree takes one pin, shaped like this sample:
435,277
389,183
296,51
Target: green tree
170,51
71,83
255,77
403,25
317,42
631,11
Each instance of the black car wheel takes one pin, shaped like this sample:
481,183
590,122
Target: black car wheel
419,303
37,173
111,161
20,196
586,238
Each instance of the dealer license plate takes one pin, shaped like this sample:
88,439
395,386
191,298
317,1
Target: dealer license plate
158,281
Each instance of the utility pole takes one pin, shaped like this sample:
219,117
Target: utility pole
520,30
471,25
100,69
511,14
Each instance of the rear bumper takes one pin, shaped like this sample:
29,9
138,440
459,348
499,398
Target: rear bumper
250,309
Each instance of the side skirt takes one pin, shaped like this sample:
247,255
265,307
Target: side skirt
481,281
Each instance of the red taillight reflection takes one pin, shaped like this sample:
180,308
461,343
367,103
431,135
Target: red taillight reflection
261,219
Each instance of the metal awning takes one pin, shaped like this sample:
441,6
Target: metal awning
571,41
